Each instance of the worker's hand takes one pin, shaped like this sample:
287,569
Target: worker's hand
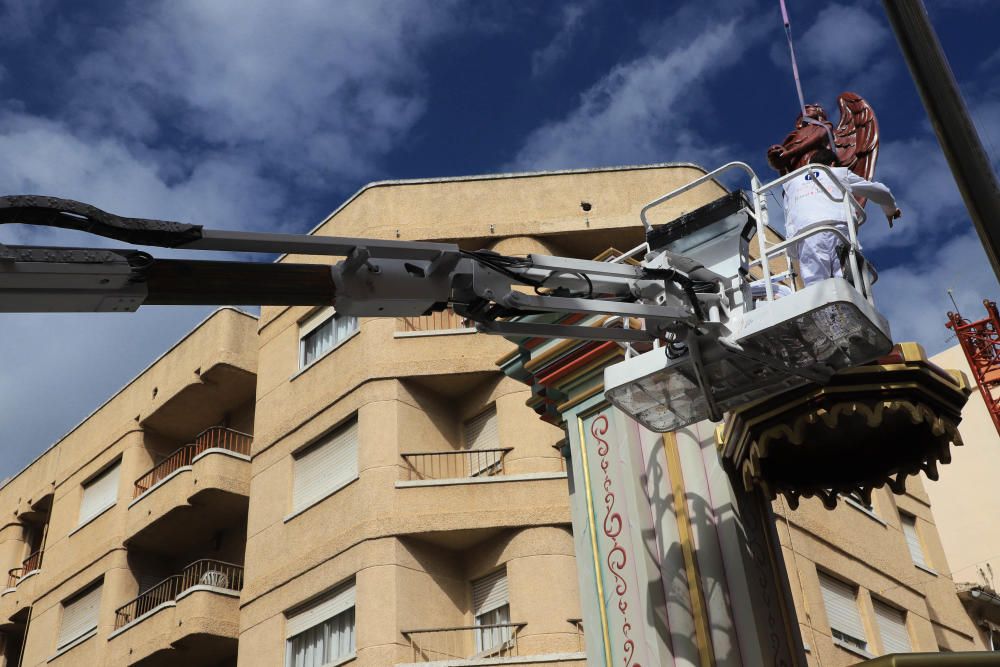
895,215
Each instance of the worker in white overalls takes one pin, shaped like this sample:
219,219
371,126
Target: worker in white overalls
806,206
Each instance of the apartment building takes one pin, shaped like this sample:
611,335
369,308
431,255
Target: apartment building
308,489
965,498
146,497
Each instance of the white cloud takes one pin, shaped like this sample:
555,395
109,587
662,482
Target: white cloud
640,111
571,23
843,39
914,296
304,88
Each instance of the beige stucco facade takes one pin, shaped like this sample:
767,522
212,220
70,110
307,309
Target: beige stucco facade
964,499
228,557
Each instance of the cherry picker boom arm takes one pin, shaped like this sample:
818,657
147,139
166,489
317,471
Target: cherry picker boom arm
710,344
376,278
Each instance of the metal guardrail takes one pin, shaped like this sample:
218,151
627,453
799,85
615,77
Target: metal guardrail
446,320
465,642
205,572
214,437
456,464
30,564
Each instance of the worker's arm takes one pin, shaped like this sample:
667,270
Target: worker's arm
877,192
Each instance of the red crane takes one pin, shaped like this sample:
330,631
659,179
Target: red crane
980,341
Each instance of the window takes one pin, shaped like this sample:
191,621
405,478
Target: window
491,607
841,602
79,615
480,432
322,632
913,539
99,493
892,627
855,497
321,332
325,466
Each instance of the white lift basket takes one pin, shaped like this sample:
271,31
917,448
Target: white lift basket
770,336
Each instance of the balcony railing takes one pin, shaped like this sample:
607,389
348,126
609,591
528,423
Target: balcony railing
446,320
465,643
457,464
214,573
30,564
216,437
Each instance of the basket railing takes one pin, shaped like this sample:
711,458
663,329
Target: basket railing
465,642
455,464
205,572
215,437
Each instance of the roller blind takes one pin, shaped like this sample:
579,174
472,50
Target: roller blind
490,592
325,466
99,493
481,430
892,628
79,615
841,602
913,539
339,600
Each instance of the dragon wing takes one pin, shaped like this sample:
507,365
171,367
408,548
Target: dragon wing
856,135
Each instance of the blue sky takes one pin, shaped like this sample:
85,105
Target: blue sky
262,115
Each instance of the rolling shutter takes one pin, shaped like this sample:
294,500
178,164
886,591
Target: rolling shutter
841,602
338,601
99,493
325,466
490,592
892,627
481,430
79,615
912,539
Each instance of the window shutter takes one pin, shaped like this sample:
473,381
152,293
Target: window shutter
79,615
99,493
315,320
912,539
892,627
337,602
481,430
490,592
841,603
326,466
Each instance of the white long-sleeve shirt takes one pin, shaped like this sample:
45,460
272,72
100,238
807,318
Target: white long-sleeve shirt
806,205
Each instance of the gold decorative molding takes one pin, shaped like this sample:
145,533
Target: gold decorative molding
871,426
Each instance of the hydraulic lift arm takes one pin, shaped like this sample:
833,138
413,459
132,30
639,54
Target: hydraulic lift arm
375,278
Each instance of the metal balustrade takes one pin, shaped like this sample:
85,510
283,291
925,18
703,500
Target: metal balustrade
465,642
30,564
446,320
205,572
455,464
215,437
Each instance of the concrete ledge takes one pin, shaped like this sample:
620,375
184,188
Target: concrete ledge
433,332
139,619
454,481
519,660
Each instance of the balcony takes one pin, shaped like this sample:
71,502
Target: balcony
194,615
466,464
31,565
474,642
435,324
451,498
198,489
